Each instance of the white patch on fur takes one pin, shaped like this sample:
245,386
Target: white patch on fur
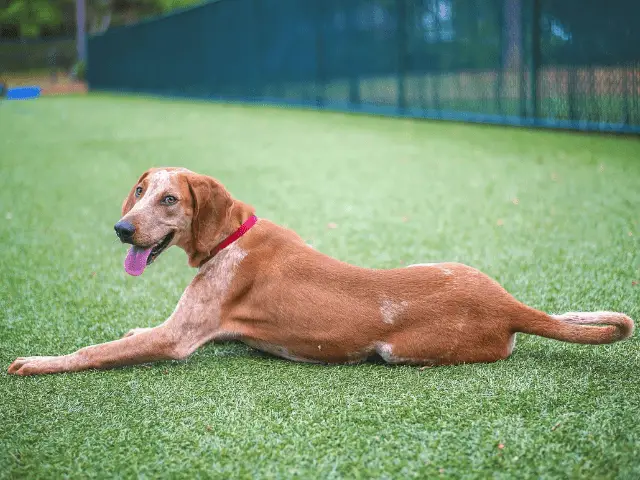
444,270
178,171
512,344
221,268
158,181
585,317
390,310
385,350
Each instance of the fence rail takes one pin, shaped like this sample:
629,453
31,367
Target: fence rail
571,64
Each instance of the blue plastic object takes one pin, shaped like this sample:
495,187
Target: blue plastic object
23,93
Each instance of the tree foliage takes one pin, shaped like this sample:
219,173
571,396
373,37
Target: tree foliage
33,17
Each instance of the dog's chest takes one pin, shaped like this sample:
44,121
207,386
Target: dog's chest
203,300
220,270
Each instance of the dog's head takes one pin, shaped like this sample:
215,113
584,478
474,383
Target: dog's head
173,206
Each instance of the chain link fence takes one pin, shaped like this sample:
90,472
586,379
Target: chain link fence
571,64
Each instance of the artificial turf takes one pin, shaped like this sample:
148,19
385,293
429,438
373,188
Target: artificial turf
553,216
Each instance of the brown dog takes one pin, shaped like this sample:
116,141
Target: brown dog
263,285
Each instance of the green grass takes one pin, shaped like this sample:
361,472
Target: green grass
401,192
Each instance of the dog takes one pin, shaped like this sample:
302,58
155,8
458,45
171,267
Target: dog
262,284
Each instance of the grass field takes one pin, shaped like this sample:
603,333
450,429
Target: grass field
553,216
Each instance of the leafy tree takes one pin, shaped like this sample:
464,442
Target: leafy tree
31,17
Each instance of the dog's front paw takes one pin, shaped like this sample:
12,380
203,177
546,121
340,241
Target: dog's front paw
36,366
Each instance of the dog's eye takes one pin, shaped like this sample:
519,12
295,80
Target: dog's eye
138,191
169,200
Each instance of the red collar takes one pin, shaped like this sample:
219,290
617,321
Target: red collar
244,228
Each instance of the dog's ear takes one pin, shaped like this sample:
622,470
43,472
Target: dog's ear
211,210
130,201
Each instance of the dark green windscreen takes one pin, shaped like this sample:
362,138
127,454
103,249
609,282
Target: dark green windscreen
568,64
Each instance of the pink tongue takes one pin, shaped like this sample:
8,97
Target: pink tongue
136,260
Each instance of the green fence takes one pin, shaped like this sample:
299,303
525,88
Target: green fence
561,64
27,55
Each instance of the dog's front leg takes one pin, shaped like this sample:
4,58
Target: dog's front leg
148,346
135,331
175,339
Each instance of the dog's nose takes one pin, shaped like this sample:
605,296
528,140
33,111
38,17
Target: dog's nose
125,231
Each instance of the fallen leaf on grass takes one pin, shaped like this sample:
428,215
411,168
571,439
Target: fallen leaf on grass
634,283
500,446
515,201
555,426
500,222
332,225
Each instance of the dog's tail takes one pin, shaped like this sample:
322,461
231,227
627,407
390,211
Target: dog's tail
593,328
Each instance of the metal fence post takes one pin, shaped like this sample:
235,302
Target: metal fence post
534,58
437,105
625,89
504,41
353,62
320,80
524,53
401,9
257,63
